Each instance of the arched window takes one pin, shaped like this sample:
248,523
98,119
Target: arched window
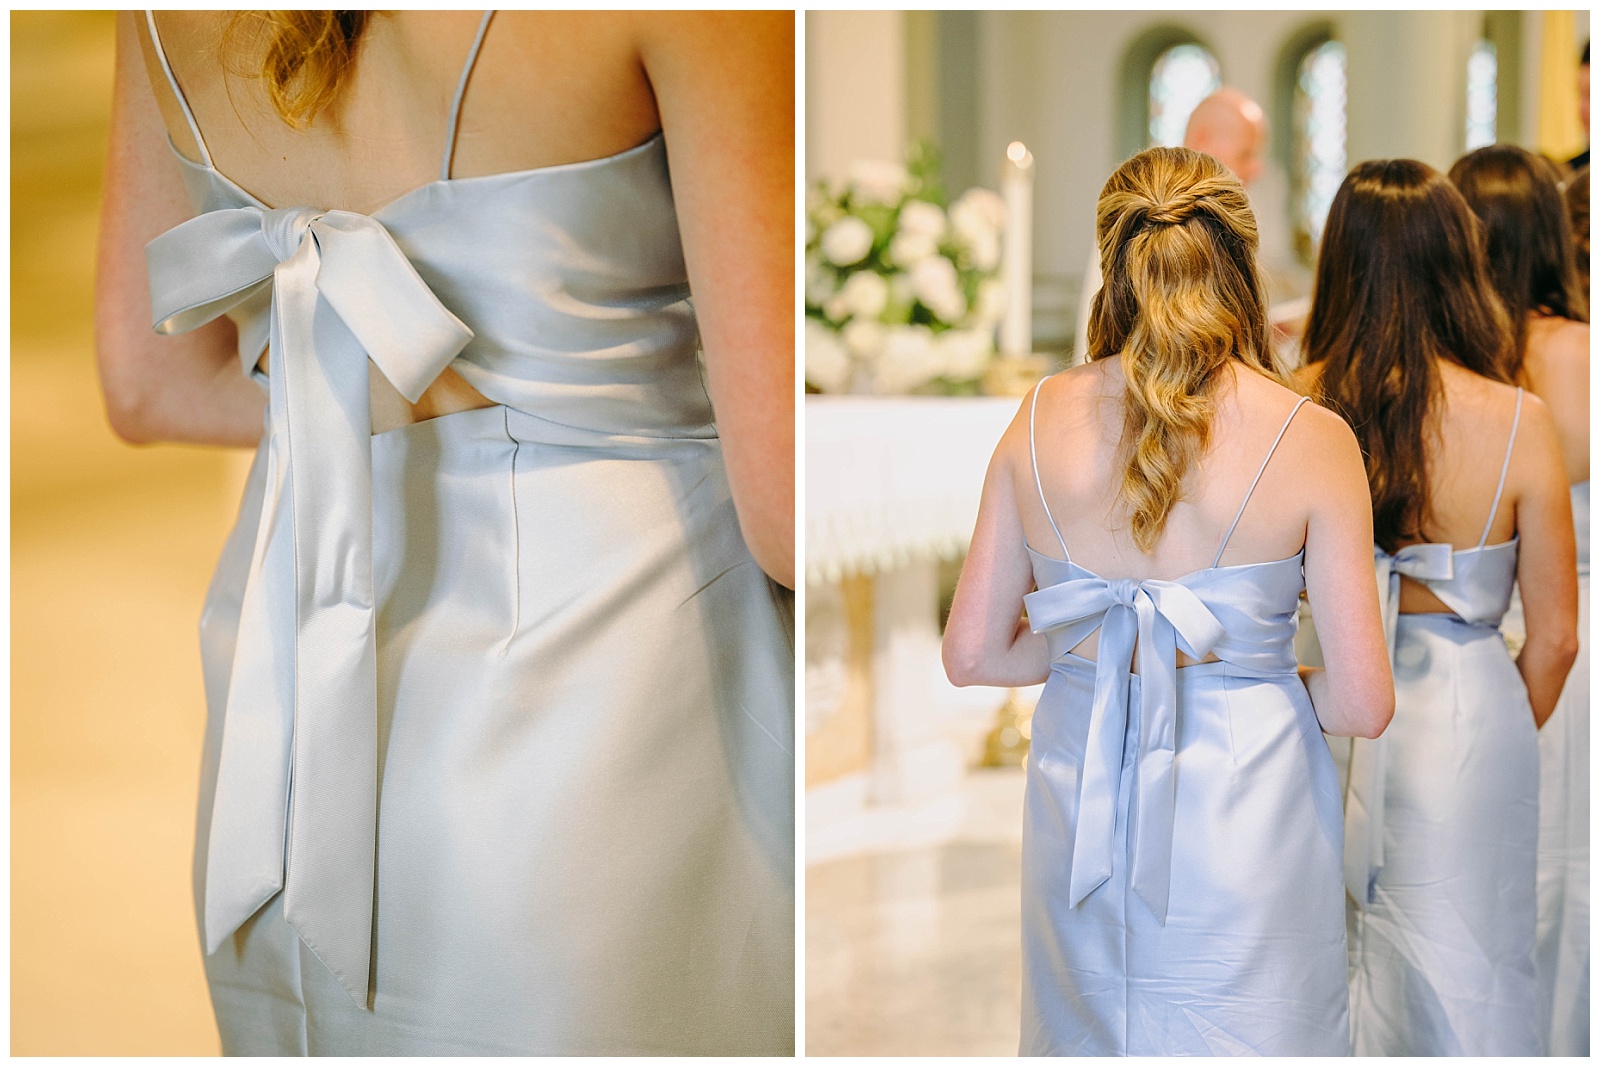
1180,78
1318,162
1164,73
1482,91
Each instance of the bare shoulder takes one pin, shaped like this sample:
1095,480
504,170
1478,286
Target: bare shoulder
1560,348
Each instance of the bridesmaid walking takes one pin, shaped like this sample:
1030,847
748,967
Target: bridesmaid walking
1407,340
1517,196
1182,837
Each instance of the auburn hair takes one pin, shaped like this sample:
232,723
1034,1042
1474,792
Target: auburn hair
1182,297
307,58
1527,236
1576,193
1401,283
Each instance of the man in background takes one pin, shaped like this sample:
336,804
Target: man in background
1228,125
1582,158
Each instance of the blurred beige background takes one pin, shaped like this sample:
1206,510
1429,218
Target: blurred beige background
111,548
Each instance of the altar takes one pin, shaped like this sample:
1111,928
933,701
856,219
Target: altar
892,488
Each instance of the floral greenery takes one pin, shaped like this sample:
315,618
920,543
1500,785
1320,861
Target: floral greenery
902,290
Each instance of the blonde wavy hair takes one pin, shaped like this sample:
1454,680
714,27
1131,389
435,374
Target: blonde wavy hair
308,55
1181,298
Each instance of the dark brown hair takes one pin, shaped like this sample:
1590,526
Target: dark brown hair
1182,297
1517,197
1577,197
1401,282
306,59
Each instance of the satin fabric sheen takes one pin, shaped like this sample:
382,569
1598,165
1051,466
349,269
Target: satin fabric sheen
1561,947
1441,938
581,773
1241,852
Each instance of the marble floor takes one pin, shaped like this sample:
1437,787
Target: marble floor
917,952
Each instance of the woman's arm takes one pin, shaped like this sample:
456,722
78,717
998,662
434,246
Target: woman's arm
184,388
1353,693
1558,372
986,640
1547,561
724,85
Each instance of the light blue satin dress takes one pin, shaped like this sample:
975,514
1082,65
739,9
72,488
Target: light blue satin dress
1561,946
1442,819
499,756
1181,834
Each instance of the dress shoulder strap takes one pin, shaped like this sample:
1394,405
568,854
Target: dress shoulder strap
172,80
1262,470
1505,466
1033,453
461,92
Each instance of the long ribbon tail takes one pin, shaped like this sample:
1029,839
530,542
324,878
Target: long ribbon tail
1157,780
1095,838
1366,794
329,876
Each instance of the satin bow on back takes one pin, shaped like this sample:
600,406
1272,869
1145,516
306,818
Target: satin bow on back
305,820
1158,617
1364,800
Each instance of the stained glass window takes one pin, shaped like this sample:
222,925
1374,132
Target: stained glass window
1319,131
1182,76
1482,69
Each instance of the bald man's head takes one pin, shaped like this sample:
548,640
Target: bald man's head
1233,128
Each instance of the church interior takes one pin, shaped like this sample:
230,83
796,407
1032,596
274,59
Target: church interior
913,787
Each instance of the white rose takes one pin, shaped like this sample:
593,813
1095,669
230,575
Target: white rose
846,241
908,359
991,302
986,252
936,284
863,338
919,216
901,291
978,214
836,308
827,364
865,294
819,281
879,182
908,248
964,353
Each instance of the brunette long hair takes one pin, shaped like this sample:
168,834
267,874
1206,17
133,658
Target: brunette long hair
1182,297
1401,282
1517,197
306,58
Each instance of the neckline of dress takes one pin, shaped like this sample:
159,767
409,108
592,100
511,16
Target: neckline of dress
1454,551
507,175
1191,574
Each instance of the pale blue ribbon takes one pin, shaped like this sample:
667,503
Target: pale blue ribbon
1365,796
1159,618
296,802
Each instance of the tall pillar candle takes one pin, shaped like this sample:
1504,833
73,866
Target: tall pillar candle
1016,185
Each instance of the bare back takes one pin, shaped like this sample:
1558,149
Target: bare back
1077,430
1247,500
579,73
1556,369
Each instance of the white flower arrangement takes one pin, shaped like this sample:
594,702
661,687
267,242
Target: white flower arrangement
901,294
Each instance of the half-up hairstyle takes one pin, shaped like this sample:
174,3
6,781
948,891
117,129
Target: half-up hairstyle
1181,298
1401,282
307,57
1527,235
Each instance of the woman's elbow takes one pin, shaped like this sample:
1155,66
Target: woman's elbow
1377,713
129,413
773,551
960,665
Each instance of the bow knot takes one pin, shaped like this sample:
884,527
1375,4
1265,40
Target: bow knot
285,227
301,712
1123,591
1157,617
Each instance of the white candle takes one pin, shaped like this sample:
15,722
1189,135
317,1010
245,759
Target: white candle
1016,184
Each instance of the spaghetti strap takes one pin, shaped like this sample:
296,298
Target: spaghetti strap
172,80
1505,466
461,92
1033,454
1263,469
